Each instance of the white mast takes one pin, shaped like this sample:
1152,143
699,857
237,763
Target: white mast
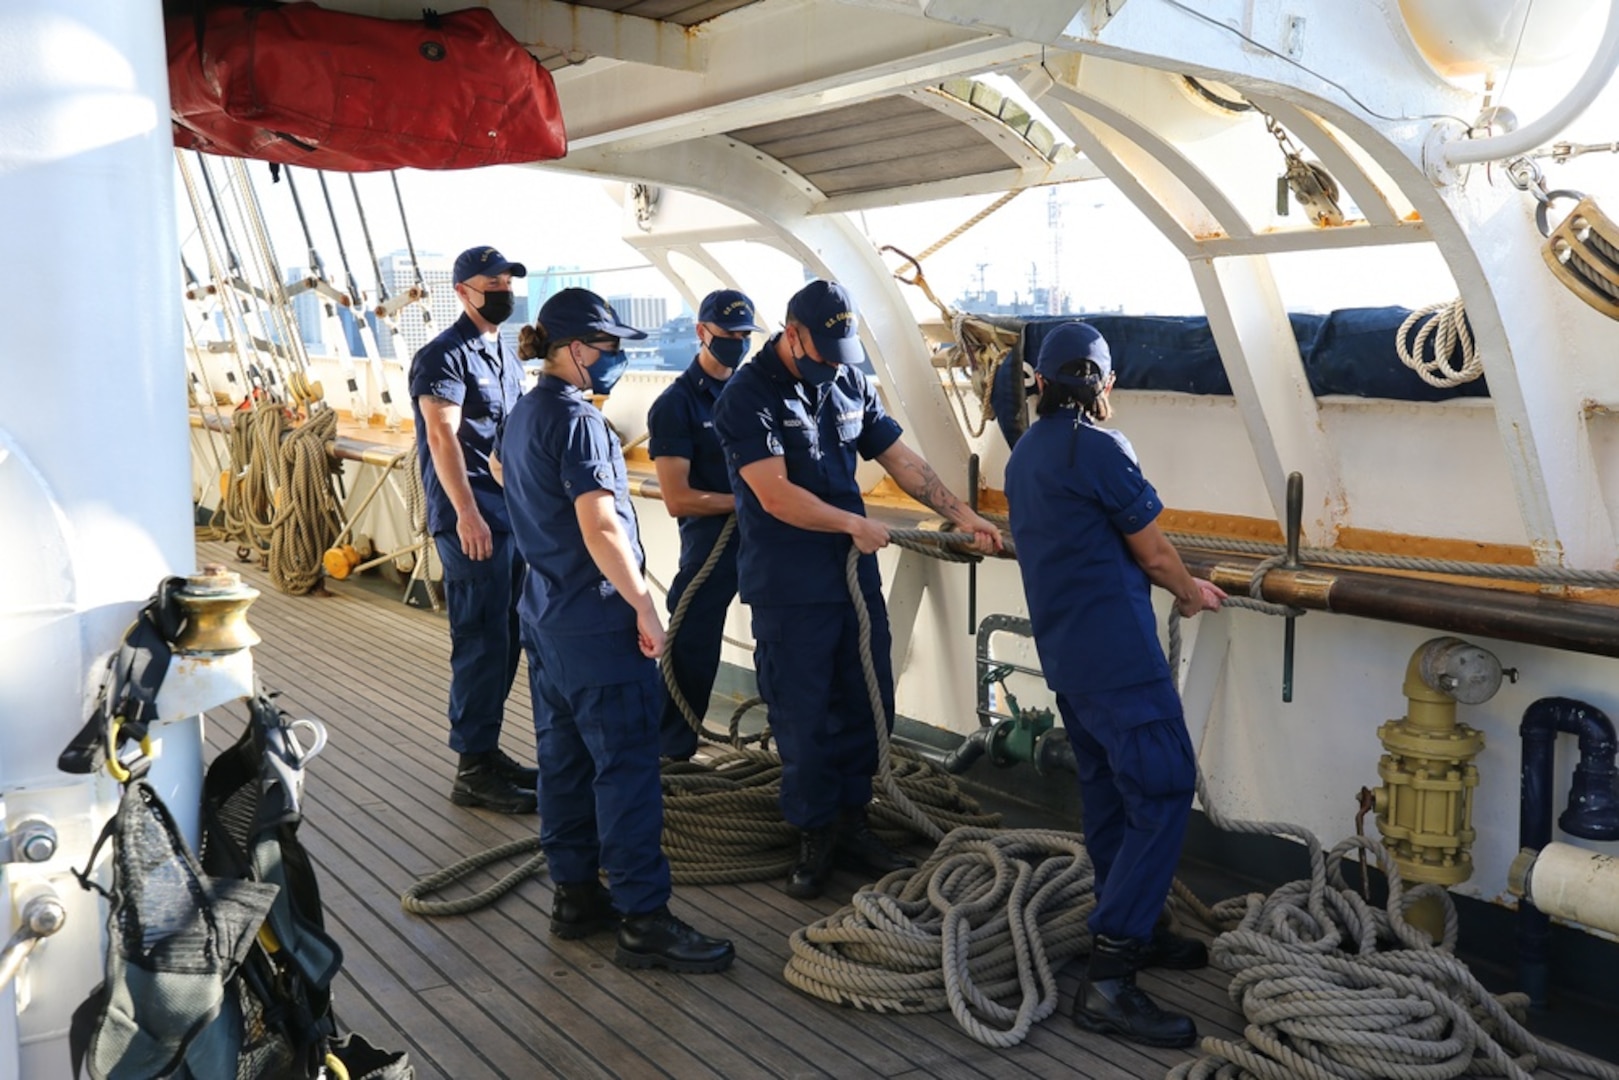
94,506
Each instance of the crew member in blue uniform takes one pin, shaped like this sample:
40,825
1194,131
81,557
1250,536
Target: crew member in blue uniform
791,422
696,489
592,631
462,385
1089,548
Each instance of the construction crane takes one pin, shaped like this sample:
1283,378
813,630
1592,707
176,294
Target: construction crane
1054,297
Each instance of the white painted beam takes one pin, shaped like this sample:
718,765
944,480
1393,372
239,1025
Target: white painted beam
1278,241
1273,395
1199,189
736,175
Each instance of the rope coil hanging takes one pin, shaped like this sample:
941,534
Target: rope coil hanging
1449,334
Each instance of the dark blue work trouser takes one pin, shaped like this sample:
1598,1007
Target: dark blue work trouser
808,661
1136,780
482,600
695,654
601,793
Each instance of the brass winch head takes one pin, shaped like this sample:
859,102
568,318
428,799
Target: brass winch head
215,603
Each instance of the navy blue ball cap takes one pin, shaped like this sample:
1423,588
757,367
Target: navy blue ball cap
1069,342
582,315
485,260
826,311
728,310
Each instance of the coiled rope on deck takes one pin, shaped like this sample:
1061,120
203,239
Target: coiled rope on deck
990,916
279,498
305,522
722,817
1334,989
1316,1009
1327,999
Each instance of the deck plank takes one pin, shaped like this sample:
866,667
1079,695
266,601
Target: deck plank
491,994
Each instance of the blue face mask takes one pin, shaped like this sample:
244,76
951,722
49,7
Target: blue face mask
728,351
813,372
604,372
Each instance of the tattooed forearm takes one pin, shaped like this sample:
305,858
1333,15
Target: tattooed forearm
918,480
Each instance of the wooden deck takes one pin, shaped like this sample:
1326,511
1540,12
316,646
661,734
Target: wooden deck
492,994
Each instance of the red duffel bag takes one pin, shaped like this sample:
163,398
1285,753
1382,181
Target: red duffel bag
297,84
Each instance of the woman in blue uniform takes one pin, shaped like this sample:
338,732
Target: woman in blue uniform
1089,548
592,630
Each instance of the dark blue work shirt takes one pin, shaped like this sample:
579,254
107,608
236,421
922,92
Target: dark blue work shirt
1075,492
556,447
466,369
680,424
765,412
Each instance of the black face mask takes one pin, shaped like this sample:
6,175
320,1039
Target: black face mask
496,307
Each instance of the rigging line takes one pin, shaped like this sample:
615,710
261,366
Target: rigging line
333,321
213,199
342,251
370,248
316,265
363,325
1216,23
1501,95
283,346
970,222
228,312
410,245
245,291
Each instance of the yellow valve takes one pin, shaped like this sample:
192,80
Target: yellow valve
340,561
1425,806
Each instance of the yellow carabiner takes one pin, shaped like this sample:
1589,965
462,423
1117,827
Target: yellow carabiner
115,768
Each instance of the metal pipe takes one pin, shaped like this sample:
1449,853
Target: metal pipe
968,751
1593,811
993,624
1462,609
1558,117
972,568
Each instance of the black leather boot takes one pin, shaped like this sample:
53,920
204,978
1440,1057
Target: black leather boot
478,784
1172,951
658,939
1109,1001
513,771
860,850
814,866
582,908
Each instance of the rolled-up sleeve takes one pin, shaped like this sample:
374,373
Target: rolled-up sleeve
878,430
587,457
440,375
1129,501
